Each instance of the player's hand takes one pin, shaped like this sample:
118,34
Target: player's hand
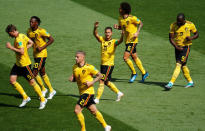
116,26
39,49
122,32
96,24
70,78
179,48
89,83
188,38
8,45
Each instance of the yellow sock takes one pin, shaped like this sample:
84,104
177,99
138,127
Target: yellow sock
19,88
131,66
112,87
38,91
100,91
46,80
176,72
40,82
139,65
186,73
100,118
81,120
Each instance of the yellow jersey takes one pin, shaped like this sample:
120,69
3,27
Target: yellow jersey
129,25
82,75
39,38
21,41
180,33
108,51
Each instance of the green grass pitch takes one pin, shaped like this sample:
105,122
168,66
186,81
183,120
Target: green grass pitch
145,106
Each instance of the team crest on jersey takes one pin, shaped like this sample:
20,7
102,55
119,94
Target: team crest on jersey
186,29
83,71
127,22
109,43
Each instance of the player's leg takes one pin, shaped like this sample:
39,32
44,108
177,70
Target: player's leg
130,65
139,63
99,91
114,89
37,66
92,108
80,116
179,60
185,69
48,83
30,77
13,81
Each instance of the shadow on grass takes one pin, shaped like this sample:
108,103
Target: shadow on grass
119,80
161,84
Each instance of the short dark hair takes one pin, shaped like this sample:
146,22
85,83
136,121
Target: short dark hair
125,7
181,15
108,28
10,28
37,19
81,52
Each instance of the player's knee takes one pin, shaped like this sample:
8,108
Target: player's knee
125,58
76,111
35,73
42,73
11,81
32,82
106,82
93,111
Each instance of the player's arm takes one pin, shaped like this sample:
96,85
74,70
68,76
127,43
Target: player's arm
91,83
95,32
50,41
138,30
71,78
18,50
195,36
171,40
30,44
121,38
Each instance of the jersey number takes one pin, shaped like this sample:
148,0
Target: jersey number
36,65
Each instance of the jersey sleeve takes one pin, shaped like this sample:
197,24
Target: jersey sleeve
135,20
171,28
101,39
193,28
93,70
44,33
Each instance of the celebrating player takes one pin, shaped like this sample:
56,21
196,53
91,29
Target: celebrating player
22,67
108,46
83,74
131,25
180,37
39,36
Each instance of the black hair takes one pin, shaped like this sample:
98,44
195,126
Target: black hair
110,28
37,19
125,7
10,28
181,15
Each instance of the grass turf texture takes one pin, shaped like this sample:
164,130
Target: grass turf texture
144,107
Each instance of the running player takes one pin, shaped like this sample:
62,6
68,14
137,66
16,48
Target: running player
22,67
131,25
180,37
83,75
39,36
108,47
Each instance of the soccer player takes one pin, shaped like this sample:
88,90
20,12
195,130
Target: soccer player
39,36
131,25
83,75
22,67
180,37
108,47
